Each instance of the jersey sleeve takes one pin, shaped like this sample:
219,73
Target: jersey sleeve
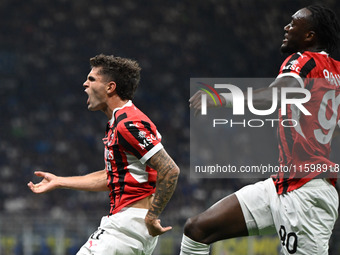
140,138
298,65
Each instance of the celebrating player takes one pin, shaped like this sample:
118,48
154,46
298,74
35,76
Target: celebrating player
139,174
301,207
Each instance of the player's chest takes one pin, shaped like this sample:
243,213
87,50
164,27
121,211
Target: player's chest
110,138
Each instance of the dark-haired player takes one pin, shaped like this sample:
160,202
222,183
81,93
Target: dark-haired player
300,206
139,174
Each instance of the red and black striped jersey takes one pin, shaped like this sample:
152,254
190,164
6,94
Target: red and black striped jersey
130,140
305,146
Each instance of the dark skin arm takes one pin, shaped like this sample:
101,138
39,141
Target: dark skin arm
262,98
167,176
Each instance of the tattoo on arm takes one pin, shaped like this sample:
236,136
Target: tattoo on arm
167,175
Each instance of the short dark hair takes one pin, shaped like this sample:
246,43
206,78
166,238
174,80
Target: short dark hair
123,71
326,26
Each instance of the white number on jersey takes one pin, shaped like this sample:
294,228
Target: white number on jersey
324,136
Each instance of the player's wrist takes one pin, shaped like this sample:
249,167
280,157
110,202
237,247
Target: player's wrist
151,216
61,183
228,100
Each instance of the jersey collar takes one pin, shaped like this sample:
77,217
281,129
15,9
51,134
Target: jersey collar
323,52
129,103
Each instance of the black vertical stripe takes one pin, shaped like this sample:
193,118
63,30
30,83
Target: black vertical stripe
112,194
113,197
283,158
120,168
127,145
288,137
147,125
119,118
107,127
307,68
285,185
282,149
292,58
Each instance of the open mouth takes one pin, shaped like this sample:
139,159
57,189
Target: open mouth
88,97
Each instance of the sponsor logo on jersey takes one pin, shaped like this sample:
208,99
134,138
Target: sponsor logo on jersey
108,154
141,134
147,140
133,125
293,66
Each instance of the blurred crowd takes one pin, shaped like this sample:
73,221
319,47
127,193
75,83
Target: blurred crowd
44,51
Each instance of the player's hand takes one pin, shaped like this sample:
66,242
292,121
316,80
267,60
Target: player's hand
195,102
48,182
154,226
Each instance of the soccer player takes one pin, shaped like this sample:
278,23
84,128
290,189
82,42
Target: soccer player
139,174
300,207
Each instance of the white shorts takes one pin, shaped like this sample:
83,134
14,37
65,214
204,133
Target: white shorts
303,218
123,233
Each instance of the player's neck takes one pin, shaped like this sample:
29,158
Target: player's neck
315,48
114,102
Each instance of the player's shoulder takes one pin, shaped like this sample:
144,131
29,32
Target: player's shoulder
306,56
301,63
298,57
133,118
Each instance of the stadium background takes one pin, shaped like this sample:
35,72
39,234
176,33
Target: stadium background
45,125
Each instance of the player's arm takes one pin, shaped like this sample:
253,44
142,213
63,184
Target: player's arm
262,97
167,175
96,181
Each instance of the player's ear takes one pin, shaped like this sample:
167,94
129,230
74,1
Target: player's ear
310,36
111,87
